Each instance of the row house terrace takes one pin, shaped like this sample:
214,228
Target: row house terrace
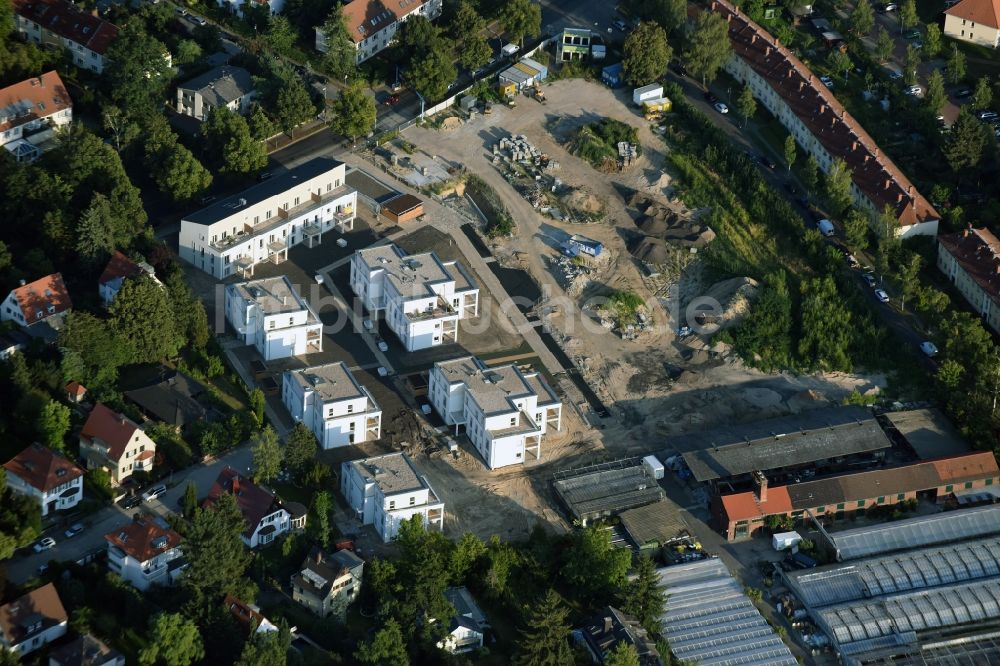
258,225
822,126
62,24
971,260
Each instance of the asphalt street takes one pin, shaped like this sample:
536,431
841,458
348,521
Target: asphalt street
111,518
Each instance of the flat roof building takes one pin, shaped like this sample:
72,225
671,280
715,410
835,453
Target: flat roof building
606,489
270,315
331,403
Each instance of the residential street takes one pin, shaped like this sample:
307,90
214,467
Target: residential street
20,569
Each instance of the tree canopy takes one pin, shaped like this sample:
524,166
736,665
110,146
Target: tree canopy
520,19
173,640
544,639
215,552
646,54
708,45
141,313
341,56
353,113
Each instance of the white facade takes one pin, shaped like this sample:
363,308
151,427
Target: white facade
145,553
373,24
143,575
87,48
505,411
231,87
422,297
268,314
233,235
967,30
58,498
386,490
331,403
279,520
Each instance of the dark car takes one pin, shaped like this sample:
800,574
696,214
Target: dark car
766,161
131,502
791,189
963,92
710,98
679,69
391,99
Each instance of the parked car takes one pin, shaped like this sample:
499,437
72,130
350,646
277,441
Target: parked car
709,97
914,90
42,569
181,11
199,20
929,348
826,81
963,92
881,295
383,346
986,114
341,242
679,69
73,530
264,175
870,279
887,7
620,25
130,502
391,99
912,34
720,107
44,544
153,493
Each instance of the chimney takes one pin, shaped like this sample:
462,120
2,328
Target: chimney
965,233
998,269
867,157
909,191
760,486
876,152
802,84
899,198
21,282
319,556
753,38
888,182
607,624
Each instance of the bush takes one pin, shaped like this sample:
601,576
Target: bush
597,143
499,222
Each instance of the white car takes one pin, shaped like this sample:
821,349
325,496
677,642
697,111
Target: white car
929,348
44,544
914,91
383,346
341,242
720,107
153,493
827,81
881,295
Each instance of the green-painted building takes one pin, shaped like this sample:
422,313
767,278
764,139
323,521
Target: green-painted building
574,44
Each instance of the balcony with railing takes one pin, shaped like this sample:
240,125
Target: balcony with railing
439,309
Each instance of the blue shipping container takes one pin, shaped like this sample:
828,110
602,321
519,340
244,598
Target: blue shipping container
612,75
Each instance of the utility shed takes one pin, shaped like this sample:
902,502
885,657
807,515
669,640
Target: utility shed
612,75
927,432
607,489
403,208
798,439
709,620
524,74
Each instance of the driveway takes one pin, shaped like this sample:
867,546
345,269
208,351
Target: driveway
108,519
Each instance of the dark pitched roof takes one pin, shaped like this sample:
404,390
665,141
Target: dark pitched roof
826,119
31,614
467,611
111,428
797,439
262,191
610,627
221,85
175,399
66,20
319,570
120,266
85,650
977,251
42,468
254,502
144,538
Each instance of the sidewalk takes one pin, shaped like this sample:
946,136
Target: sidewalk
283,140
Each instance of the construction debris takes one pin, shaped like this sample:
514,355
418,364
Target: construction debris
518,149
627,153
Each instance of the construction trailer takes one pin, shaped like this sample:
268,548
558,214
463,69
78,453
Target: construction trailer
647,93
577,244
612,75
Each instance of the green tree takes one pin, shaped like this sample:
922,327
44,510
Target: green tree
623,654
884,45
137,72
217,558
910,65
670,14
300,449
647,54
293,105
956,66
643,597
227,134
908,276
837,187
189,313
261,127
319,518
94,237
266,454
92,351
839,62
935,96
354,113
269,648
386,647
543,640
790,151
982,97
257,403
341,54
708,45
966,142
520,19
178,173
123,129
593,566
810,174
188,51
467,22
142,315
476,52
279,35
856,229
173,640
431,74
766,331
826,326
189,503
908,17
746,105
932,40
53,424
862,19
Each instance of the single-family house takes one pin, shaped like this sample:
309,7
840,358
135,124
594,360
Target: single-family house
573,44
333,404
30,113
231,87
259,224
328,584
75,392
266,518
38,307
41,473
172,398
386,490
974,21
145,552
115,443
12,342
270,315
372,24
248,616
611,628
505,411
971,260
467,627
64,25
422,297
86,650
121,268
32,621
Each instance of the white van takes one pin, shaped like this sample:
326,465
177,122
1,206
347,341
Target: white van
826,227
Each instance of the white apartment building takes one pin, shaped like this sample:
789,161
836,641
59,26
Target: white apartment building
268,314
145,552
423,298
331,403
235,234
372,24
59,23
41,473
386,490
505,411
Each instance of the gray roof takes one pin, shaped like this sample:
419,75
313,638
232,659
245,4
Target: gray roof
221,85
782,442
657,523
493,389
412,274
273,295
465,606
274,186
370,187
333,381
929,433
607,489
604,631
319,571
393,473
175,399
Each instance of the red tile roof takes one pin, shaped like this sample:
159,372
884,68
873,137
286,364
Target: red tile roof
143,538
984,12
840,134
977,251
43,602
42,468
362,13
963,468
119,266
40,295
744,506
76,389
67,21
254,502
248,616
113,429
34,99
